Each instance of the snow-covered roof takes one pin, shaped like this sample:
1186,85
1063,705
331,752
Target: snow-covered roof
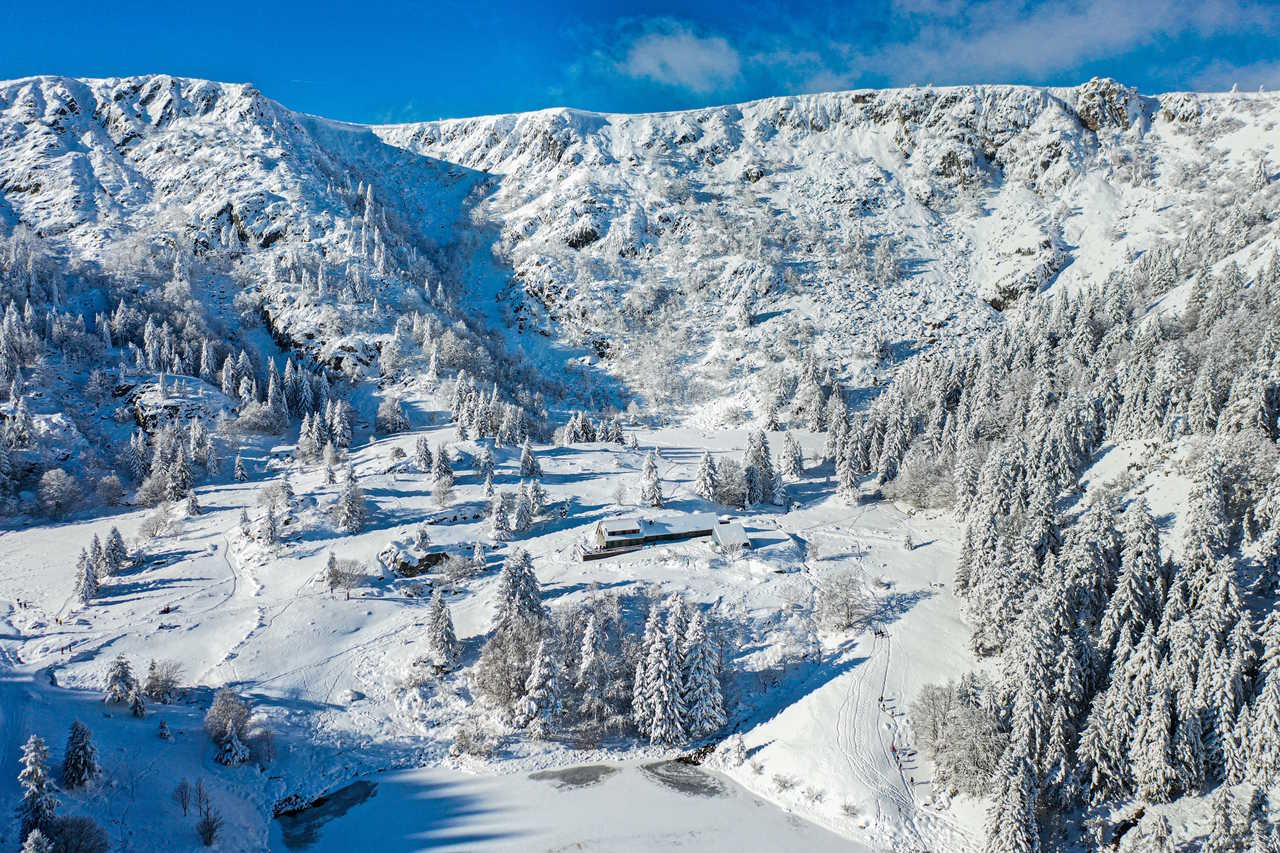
619,526
731,534
687,523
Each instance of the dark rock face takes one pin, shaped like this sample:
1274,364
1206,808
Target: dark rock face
1103,103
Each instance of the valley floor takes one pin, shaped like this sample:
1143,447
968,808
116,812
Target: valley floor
823,716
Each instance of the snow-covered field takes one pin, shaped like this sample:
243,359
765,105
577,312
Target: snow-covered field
329,672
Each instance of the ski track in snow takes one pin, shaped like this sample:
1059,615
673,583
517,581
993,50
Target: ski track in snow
860,724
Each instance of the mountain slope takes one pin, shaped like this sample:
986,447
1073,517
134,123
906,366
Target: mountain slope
690,253
885,214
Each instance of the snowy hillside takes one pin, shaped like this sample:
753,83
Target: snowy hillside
891,470
862,218
689,251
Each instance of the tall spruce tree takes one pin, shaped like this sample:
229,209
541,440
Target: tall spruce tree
650,482
705,484
704,702
664,692
80,761
39,806
442,642
539,707
519,594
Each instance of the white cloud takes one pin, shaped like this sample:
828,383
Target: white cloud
1221,76
935,41
1005,37
675,56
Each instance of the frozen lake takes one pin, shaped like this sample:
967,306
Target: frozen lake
657,806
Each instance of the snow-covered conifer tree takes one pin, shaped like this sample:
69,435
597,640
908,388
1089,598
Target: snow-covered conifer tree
519,594
1012,826
231,750
229,379
593,675
178,479
1138,596
292,389
1157,836
97,559
1224,834
758,458
442,643
1207,537
1153,751
705,484
1264,735
115,552
650,482
340,424
539,707
523,517
703,700
791,462
441,470
529,466
499,523
664,691
240,474
269,527
39,805
433,365
1261,176
847,479
537,498
80,761
37,842
485,466
120,681
86,579
641,707
352,511
423,459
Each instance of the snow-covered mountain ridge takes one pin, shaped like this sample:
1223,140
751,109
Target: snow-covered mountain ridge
689,250
893,212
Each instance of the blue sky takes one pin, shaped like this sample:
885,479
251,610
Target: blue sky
401,61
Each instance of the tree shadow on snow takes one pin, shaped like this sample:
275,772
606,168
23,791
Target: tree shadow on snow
120,593
161,560
406,812
813,488
895,605
765,693
570,588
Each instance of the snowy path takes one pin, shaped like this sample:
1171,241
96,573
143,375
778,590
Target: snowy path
866,758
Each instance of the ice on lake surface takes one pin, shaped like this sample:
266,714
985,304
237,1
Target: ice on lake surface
301,830
686,779
660,806
575,777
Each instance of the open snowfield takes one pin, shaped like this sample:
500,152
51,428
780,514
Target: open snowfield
329,672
